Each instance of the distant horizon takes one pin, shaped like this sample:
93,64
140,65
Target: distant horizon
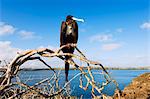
144,67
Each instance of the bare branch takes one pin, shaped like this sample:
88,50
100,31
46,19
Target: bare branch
50,87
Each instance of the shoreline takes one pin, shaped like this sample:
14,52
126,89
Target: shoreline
94,68
139,88
3,69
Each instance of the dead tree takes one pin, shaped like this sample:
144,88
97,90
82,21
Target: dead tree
14,66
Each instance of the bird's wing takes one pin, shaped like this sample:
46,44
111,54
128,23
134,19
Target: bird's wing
62,33
75,26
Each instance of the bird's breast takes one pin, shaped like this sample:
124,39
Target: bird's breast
70,30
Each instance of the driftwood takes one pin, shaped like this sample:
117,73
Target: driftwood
9,90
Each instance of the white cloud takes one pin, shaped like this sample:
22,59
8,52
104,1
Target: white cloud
6,29
111,46
27,34
119,30
7,52
145,26
101,38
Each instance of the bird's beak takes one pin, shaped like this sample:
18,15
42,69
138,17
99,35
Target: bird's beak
76,19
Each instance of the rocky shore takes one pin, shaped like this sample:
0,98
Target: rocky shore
139,88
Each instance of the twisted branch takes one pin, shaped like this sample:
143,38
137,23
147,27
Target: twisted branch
55,89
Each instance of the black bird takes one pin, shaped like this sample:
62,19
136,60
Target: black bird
69,34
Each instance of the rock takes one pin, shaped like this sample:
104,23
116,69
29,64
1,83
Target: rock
138,89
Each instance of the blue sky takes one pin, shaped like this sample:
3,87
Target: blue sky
115,32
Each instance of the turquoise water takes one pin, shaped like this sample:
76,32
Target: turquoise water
123,77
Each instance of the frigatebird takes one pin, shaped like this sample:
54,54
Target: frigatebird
69,34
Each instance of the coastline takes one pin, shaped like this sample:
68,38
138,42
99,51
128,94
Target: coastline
139,88
94,68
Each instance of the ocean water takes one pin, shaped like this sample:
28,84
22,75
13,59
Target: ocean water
123,78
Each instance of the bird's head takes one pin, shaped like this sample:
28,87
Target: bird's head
71,18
